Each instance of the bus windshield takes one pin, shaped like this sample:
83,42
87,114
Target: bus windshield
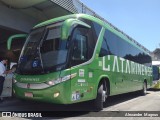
43,52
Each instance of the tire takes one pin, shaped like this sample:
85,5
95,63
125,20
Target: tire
101,97
144,89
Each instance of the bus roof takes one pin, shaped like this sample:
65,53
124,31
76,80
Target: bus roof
156,63
67,17
105,24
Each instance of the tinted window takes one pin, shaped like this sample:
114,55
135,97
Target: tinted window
92,35
80,47
109,44
115,45
155,73
104,49
79,52
123,49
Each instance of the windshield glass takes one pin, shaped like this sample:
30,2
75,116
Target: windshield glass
43,52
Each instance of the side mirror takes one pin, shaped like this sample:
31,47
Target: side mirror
68,26
11,38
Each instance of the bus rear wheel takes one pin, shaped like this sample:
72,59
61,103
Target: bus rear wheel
101,97
144,89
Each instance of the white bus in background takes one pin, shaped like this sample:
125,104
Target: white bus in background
156,74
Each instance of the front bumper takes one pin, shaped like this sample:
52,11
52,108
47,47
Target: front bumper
46,94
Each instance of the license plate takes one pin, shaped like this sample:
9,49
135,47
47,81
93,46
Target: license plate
28,95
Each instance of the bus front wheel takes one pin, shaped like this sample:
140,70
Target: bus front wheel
101,97
144,89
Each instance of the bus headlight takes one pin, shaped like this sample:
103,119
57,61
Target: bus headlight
54,82
50,83
62,79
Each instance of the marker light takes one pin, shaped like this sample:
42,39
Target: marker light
56,94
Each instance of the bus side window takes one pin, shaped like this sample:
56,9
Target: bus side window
104,48
80,48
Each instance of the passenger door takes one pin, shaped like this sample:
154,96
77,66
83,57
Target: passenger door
79,57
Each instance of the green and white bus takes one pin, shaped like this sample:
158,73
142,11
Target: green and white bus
77,58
